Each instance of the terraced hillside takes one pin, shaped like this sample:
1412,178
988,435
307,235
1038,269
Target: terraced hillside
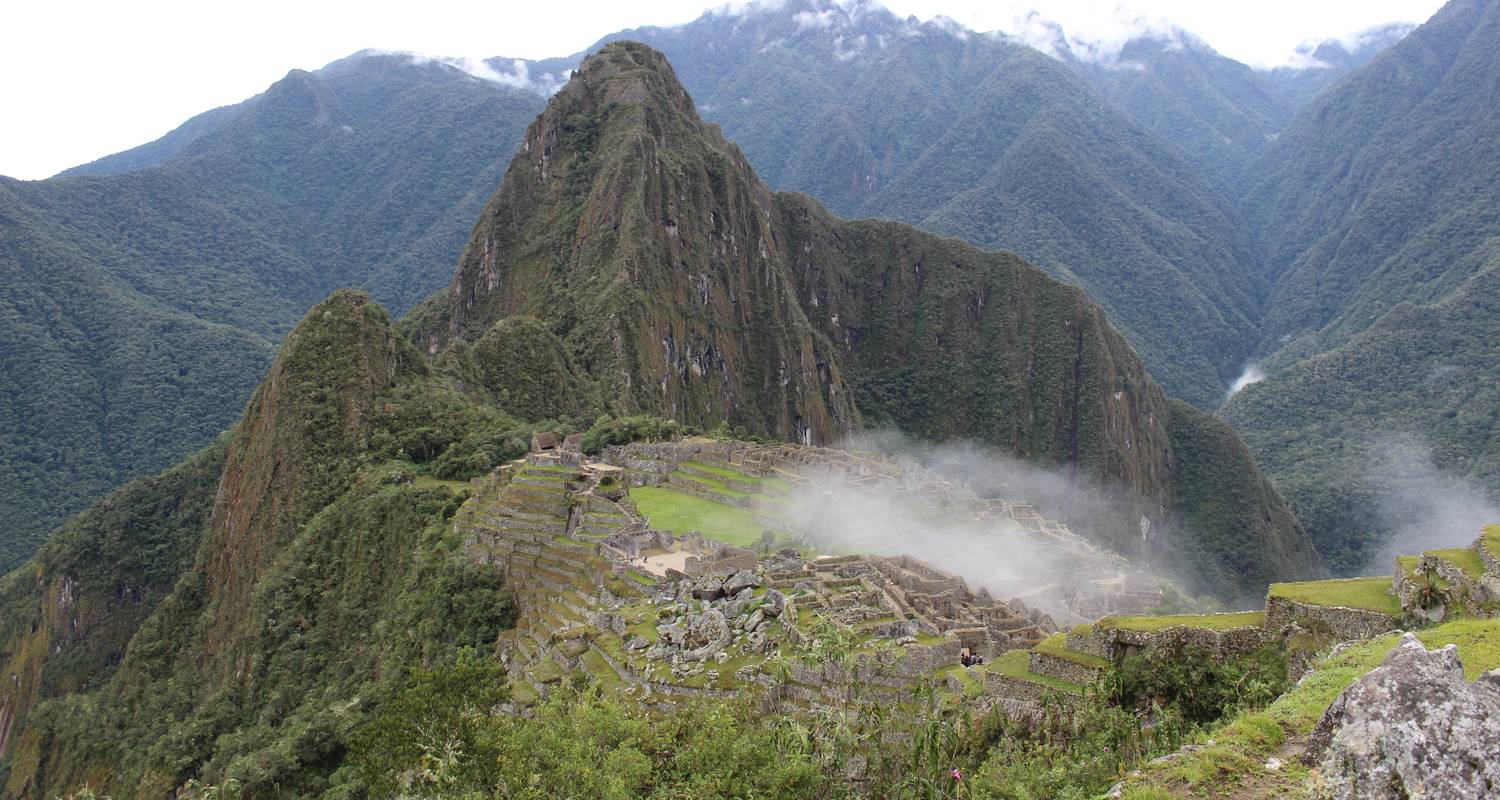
689,569
682,569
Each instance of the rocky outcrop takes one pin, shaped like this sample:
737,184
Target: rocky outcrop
1412,727
641,237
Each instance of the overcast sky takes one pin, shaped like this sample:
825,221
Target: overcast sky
83,79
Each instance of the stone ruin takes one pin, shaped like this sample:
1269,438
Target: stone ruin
576,552
1099,583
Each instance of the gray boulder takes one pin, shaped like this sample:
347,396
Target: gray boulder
744,579
775,603
706,634
671,633
709,587
1412,727
735,607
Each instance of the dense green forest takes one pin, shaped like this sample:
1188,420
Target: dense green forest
139,309
1378,210
302,620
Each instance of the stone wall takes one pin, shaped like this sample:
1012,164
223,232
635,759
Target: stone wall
1116,643
1341,623
1089,644
1062,669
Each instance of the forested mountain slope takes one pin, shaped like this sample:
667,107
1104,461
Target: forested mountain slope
270,594
984,138
1219,113
679,285
1323,63
1379,210
242,612
139,307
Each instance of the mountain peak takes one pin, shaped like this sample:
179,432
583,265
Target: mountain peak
631,73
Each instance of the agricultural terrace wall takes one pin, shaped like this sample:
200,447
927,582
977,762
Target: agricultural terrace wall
1342,623
1116,643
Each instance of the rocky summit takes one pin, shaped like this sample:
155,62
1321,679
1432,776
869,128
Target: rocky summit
670,280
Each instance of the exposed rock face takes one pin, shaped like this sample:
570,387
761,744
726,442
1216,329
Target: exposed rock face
680,285
1412,727
316,400
644,240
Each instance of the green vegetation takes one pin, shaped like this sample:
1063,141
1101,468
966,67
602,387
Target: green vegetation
1197,683
1384,381
1056,645
715,486
724,472
608,431
1371,594
1240,533
678,512
1213,622
1242,745
1490,540
525,370
141,308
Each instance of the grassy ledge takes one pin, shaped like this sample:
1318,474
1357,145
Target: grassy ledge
1235,753
1017,664
1213,622
1369,594
1465,558
680,512
1490,539
1056,645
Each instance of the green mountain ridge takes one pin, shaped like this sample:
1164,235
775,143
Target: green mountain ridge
140,307
1378,209
783,321
987,139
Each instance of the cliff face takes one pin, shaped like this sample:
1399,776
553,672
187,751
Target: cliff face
66,617
293,451
946,341
644,240
682,286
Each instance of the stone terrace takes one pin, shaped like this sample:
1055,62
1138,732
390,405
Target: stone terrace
569,539
1105,581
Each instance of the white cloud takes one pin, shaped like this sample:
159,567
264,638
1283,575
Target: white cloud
148,66
814,19
517,76
1252,374
1262,34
